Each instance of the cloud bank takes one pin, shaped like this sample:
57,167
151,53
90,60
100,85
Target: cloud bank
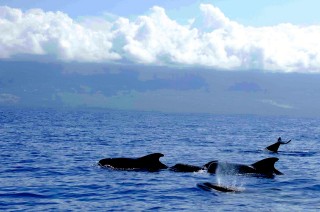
212,41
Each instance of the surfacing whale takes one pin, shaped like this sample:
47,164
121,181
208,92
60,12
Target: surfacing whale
149,163
263,167
181,167
274,147
210,186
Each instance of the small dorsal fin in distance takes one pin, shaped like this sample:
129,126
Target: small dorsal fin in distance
274,147
266,166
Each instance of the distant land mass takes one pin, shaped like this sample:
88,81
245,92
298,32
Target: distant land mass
158,88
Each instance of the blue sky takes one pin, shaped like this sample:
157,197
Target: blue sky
247,12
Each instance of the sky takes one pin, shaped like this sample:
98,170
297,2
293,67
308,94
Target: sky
218,56
247,12
277,36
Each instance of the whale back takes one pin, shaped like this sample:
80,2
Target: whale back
118,163
180,167
264,167
209,187
149,162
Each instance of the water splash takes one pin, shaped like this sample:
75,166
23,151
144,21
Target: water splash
226,176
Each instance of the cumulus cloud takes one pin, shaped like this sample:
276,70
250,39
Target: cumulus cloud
214,41
47,33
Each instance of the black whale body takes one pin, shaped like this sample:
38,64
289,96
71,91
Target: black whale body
180,167
207,186
263,167
149,162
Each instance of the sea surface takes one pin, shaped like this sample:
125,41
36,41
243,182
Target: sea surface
49,161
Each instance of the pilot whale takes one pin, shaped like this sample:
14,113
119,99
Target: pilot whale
148,162
274,147
263,167
180,167
210,186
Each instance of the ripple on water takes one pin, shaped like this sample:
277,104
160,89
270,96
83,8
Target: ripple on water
50,161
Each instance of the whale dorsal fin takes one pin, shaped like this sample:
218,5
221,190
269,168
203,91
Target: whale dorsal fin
151,161
266,166
152,157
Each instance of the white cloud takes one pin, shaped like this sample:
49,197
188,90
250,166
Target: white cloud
6,98
277,104
38,32
215,41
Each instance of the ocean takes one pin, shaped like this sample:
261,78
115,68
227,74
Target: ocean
49,161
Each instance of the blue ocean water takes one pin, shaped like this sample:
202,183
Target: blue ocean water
49,161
